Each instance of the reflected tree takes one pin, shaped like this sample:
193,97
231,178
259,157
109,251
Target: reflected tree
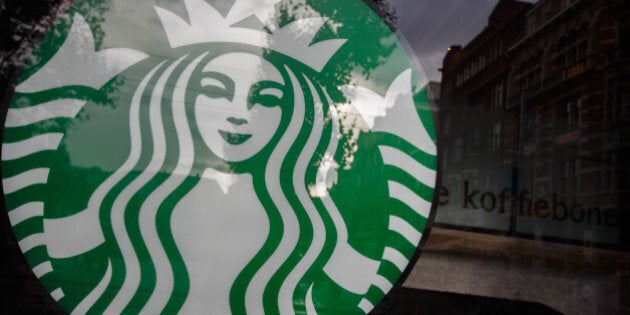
386,11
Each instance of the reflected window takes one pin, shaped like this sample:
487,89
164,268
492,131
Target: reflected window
529,131
497,96
495,137
568,114
567,178
447,124
474,139
458,146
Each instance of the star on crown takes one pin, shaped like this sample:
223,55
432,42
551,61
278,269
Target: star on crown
207,25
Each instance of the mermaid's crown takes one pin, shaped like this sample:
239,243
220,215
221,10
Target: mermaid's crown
207,25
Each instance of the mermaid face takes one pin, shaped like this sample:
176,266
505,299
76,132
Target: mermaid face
238,110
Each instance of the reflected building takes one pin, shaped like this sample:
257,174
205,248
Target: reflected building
476,129
534,123
569,86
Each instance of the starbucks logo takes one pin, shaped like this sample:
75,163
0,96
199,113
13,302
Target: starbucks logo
222,157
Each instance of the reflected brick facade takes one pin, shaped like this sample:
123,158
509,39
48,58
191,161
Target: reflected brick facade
539,103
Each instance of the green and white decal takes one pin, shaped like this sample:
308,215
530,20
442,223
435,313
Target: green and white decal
219,157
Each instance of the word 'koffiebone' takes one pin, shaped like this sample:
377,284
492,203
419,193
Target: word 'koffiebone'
524,204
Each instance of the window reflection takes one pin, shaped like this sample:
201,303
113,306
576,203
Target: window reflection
534,114
533,130
535,79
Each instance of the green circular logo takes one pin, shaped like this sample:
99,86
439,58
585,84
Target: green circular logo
244,157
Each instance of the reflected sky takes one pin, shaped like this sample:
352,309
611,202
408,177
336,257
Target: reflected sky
431,26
